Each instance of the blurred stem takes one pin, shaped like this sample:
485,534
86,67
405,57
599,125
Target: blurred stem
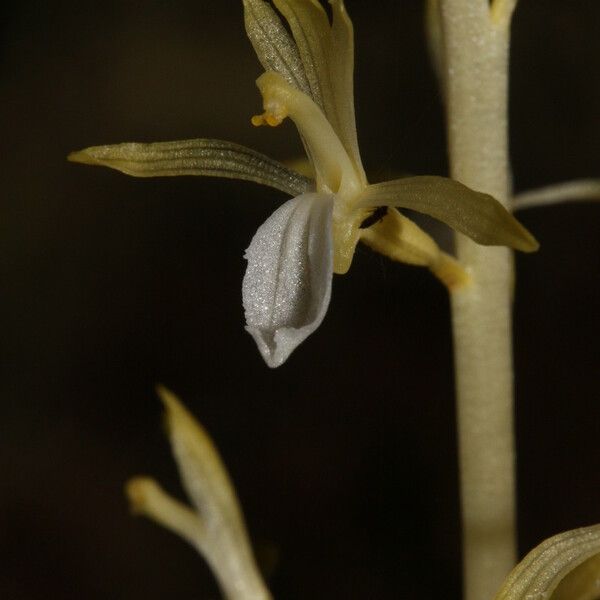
579,190
475,54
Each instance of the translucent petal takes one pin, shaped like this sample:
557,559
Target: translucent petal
475,214
212,158
275,48
541,572
287,285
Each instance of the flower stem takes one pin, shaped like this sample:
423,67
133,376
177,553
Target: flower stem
475,55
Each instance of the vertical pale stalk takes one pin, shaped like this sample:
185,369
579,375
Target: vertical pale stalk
475,68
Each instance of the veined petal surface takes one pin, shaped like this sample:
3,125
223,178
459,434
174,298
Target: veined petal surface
310,27
558,560
212,158
287,285
275,48
327,53
477,215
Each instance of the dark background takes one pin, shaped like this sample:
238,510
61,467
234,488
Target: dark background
344,458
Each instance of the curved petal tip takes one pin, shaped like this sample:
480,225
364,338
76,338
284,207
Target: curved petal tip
287,285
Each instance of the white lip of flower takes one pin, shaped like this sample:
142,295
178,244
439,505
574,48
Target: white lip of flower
293,255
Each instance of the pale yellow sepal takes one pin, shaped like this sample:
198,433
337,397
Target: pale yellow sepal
402,240
310,27
450,272
341,68
203,474
274,47
327,53
215,528
204,157
477,215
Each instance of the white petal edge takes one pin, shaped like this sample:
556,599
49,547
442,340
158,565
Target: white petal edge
287,285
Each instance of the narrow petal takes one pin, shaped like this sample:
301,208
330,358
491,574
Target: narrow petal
287,285
341,67
327,53
226,545
541,572
212,158
275,48
217,529
402,240
310,27
203,474
477,215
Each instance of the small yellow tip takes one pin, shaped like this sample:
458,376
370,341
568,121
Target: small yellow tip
170,402
81,156
267,119
137,491
162,391
272,120
533,246
450,272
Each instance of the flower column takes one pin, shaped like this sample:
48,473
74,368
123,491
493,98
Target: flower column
474,73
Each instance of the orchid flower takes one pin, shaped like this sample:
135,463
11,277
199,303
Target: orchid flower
293,255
